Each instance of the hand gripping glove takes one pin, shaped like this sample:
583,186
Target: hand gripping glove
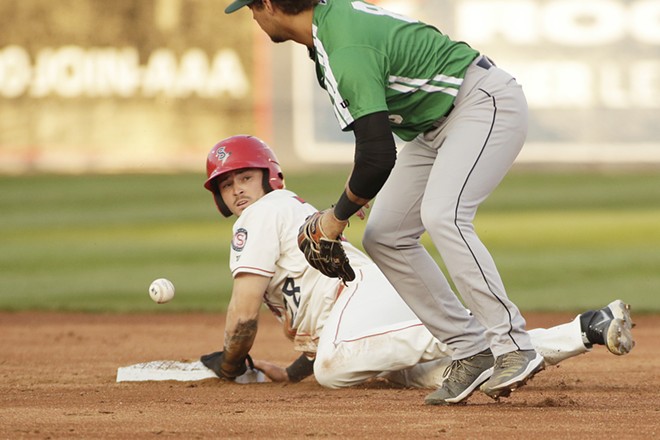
216,362
323,253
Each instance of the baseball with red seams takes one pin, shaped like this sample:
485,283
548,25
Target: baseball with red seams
161,290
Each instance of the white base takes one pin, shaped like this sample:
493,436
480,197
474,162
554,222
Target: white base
180,371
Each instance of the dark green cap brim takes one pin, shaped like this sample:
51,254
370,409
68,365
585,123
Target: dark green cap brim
235,6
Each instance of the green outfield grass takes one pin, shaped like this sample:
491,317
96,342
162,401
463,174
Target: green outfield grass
562,241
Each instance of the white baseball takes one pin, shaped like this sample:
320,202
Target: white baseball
161,290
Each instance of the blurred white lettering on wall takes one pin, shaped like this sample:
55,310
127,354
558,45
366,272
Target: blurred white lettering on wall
571,23
73,71
590,70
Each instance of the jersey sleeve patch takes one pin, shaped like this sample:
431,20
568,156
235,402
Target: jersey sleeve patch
256,238
239,240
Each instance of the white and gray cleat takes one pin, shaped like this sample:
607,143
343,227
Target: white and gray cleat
610,326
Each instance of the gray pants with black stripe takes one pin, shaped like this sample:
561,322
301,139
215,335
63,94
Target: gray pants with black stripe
437,184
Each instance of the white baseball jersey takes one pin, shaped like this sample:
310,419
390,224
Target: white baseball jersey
265,243
358,331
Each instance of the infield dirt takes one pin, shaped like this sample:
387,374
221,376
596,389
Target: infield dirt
57,376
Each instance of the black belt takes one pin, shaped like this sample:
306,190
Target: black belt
485,63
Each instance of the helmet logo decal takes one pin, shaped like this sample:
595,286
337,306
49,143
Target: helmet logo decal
222,154
239,240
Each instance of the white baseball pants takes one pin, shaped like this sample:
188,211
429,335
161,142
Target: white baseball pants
371,332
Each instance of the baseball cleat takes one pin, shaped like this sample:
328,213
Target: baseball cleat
462,377
619,339
512,370
610,326
621,310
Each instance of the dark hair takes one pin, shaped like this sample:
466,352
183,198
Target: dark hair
289,7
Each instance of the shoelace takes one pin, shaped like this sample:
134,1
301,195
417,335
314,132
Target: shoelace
462,368
452,366
512,359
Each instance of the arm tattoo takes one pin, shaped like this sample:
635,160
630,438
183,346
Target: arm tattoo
238,345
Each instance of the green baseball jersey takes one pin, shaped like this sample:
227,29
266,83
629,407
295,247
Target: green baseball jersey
369,60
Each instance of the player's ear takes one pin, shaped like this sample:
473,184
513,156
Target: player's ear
268,5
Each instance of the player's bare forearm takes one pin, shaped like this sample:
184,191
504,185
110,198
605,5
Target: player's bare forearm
272,371
231,361
242,315
239,342
331,226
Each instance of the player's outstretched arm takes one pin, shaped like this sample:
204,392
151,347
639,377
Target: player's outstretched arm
274,372
300,369
240,326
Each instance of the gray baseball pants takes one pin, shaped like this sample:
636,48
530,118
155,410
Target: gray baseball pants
439,180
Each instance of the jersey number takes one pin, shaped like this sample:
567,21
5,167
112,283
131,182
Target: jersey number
291,297
376,10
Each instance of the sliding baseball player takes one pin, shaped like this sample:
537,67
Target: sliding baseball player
346,333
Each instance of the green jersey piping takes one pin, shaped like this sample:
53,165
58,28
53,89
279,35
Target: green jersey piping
331,85
393,63
408,85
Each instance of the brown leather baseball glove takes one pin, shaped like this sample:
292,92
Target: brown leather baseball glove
323,253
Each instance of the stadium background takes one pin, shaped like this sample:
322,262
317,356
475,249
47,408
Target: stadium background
107,111
92,86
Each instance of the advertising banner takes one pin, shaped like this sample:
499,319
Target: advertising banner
91,85
590,70
87,85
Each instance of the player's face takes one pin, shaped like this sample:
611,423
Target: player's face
241,188
266,21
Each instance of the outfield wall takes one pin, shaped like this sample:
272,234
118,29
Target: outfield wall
144,85
87,85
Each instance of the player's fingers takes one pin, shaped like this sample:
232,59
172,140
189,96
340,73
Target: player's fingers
272,371
362,212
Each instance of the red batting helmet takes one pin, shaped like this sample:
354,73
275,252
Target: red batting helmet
238,152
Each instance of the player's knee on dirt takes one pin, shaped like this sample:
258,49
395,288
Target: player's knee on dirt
326,378
329,376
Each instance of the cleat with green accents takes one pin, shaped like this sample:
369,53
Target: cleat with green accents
462,377
512,370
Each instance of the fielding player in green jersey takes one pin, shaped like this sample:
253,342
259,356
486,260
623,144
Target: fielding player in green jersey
464,121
